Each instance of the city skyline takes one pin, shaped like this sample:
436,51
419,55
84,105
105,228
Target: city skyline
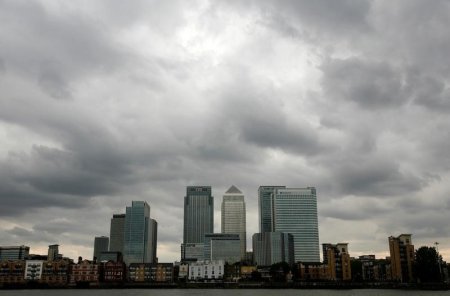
106,102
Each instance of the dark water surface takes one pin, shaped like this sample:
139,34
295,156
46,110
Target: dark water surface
222,292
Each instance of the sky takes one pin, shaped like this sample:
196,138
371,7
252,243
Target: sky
108,101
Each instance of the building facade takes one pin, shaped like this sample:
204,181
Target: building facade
338,262
222,246
206,270
139,234
234,217
265,207
116,233
295,212
101,244
198,217
14,252
86,272
33,270
272,247
402,258
53,253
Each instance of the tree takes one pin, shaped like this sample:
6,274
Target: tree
426,265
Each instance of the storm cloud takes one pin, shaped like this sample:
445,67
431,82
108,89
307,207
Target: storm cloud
107,102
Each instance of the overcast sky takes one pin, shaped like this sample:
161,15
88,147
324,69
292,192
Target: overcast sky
105,102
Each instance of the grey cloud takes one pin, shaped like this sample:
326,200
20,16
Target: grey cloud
369,84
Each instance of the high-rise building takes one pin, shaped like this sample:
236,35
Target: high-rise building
295,212
272,247
101,244
139,234
198,217
233,216
53,252
402,258
116,233
265,209
222,246
14,252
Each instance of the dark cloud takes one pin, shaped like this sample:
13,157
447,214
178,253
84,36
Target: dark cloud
108,102
369,84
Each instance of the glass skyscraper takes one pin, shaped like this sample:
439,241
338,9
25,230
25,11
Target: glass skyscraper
273,247
101,244
222,246
295,212
139,234
198,216
116,233
265,209
233,216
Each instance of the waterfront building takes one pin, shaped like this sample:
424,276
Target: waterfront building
116,233
162,273
55,273
113,272
12,272
101,244
222,246
295,212
265,207
272,247
33,270
139,272
402,258
338,262
367,267
198,217
206,270
53,253
14,252
382,270
140,234
85,271
233,216
312,271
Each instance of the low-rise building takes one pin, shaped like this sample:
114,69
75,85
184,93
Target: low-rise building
33,270
55,273
367,267
312,271
12,272
85,272
206,270
114,272
139,272
162,273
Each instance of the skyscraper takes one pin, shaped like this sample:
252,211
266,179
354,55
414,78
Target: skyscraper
101,244
272,247
53,252
139,234
233,216
116,233
198,218
295,212
265,209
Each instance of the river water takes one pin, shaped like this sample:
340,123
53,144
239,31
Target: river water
222,292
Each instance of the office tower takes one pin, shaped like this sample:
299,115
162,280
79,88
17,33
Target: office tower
265,209
14,252
272,247
116,233
402,258
139,234
101,244
222,246
233,216
338,262
295,212
198,218
53,252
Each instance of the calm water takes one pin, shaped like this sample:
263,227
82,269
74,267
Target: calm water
220,292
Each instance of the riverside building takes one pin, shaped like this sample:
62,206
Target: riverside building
233,217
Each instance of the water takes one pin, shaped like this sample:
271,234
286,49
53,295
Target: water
221,292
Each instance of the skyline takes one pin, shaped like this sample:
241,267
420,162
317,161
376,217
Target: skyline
107,102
